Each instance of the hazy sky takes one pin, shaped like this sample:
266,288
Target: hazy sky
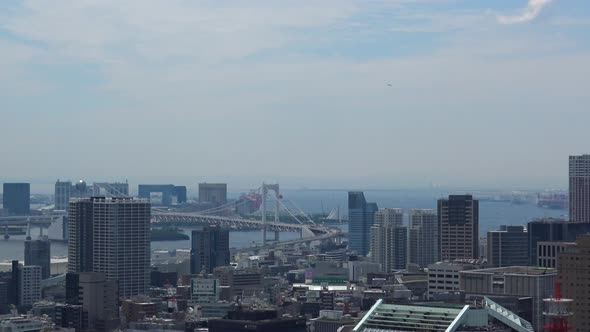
397,93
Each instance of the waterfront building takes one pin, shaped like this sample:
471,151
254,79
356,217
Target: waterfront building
389,240
215,193
169,194
209,249
38,252
574,273
517,281
508,246
458,221
361,216
423,237
111,236
579,188
16,198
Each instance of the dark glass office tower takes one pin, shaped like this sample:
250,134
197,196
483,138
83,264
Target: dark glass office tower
508,246
458,224
16,198
361,216
38,252
209,249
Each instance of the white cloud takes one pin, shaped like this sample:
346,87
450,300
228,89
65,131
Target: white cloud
532,10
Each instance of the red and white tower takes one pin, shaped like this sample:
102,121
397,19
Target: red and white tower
557,311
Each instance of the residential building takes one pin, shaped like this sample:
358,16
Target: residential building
29,285
548,252
163,194
389,240
574,273
508,246
38,252
518,281
458,220
16,198
215,193
111,236
579,188
361,216
209,249
423,237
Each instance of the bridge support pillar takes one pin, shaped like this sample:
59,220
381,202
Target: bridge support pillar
301,233
277,236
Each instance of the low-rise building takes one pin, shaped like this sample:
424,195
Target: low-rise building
443,277
537,283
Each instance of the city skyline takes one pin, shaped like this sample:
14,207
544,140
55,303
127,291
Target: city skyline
282,90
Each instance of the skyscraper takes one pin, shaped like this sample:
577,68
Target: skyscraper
389,240
423,239
38,252
361,216
209,249
111,236
508,247
579,193
16,198
458,222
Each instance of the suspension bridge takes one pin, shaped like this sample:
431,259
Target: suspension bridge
303,225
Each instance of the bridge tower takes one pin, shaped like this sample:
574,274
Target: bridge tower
265,189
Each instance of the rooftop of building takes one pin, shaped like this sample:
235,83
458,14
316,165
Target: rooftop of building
440,317
520,270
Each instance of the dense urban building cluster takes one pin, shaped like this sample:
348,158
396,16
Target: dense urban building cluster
419,269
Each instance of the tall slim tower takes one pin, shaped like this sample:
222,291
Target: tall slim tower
579,185
111,236
423,239
361,216
389,240
458,221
